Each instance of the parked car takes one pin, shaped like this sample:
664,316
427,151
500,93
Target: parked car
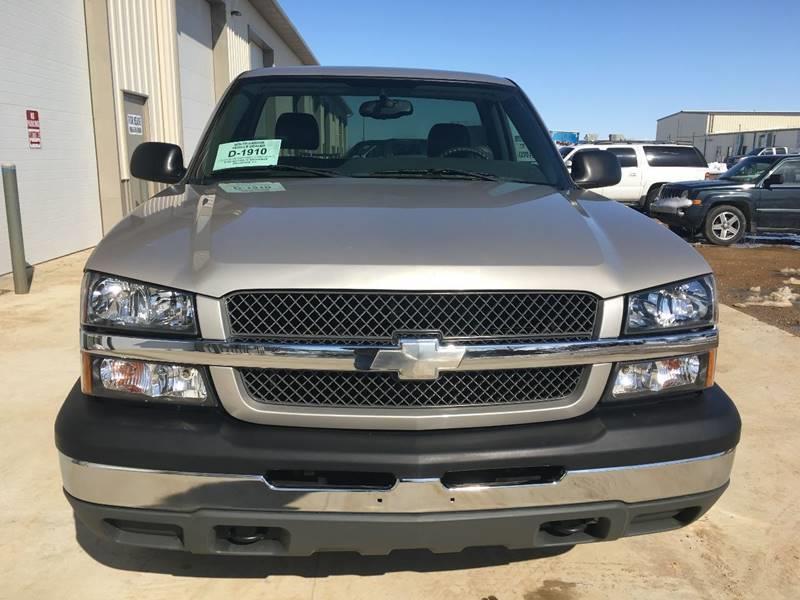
769,151
646,167
289,350
760,193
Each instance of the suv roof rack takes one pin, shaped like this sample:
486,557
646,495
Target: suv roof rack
653,142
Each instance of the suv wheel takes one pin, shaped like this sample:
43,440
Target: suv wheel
725,225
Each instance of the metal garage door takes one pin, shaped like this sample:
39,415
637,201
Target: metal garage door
196,69
44,67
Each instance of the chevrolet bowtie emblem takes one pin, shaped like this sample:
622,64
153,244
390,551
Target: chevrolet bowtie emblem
418,359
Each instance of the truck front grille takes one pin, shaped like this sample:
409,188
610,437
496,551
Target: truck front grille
382,317
384,390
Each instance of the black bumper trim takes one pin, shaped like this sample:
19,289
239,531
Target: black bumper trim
210,441
302,534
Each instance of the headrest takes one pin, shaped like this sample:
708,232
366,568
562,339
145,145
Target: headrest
444,136
297,131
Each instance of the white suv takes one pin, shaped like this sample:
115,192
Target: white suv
646,166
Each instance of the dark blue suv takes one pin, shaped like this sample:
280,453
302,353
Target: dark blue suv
760,193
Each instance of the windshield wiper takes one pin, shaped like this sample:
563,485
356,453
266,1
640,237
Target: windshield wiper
258,170
433,172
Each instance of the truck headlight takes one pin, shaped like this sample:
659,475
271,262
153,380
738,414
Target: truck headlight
683,305
661,375
114,302
146,381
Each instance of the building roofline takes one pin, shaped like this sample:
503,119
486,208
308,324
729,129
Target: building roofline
750,131
733,112
283,26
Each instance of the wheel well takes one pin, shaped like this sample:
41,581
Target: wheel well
655,186
740,204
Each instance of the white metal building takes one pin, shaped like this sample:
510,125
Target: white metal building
719,134
104,75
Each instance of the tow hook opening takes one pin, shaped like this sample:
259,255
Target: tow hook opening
575,530
242,536
247,539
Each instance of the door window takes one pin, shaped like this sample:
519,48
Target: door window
790,169
626,156
674,156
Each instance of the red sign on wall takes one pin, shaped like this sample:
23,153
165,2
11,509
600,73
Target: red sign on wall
34,131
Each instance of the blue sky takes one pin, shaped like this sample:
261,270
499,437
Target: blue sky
588,65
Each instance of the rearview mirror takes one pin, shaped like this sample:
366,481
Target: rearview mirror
774,179
157,161
595,168
386,108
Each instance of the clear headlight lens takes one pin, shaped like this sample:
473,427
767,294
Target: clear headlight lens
681,305
146,381
681,373
116,302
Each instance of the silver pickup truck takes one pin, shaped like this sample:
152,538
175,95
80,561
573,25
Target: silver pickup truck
439,341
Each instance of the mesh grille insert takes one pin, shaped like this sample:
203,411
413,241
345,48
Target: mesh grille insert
385,390
374,317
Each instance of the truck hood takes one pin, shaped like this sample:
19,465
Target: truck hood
392,234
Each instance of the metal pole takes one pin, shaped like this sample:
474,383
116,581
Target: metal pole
15,241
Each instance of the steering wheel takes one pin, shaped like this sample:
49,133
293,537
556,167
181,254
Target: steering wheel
466,150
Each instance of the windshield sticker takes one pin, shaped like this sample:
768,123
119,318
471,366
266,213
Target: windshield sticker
255,186
251,153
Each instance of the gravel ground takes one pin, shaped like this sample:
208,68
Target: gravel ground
757,263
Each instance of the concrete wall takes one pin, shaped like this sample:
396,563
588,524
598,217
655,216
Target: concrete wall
44,66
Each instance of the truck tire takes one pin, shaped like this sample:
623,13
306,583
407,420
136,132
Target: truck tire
724,225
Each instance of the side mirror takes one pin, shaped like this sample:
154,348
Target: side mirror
774,179
157,161
595,168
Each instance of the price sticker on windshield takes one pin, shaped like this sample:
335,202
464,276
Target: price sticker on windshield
250,153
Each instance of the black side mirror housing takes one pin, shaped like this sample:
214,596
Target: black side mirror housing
595,168
774,179
157,161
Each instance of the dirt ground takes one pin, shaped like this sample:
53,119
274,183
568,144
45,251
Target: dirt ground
745,547
744,266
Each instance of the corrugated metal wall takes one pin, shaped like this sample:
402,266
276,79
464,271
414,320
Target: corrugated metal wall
755,122
252,25
718,146
145,62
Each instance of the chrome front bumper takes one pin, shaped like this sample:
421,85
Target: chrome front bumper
180,491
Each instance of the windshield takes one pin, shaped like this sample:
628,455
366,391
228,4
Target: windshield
370,127
749,170
565,150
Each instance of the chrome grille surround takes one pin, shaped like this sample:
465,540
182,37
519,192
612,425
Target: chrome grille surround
374,318
357,389
224,360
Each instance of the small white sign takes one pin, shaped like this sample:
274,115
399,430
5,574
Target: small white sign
250,153
242,187
135,125
34,129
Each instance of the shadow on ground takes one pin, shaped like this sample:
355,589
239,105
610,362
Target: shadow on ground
129,558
